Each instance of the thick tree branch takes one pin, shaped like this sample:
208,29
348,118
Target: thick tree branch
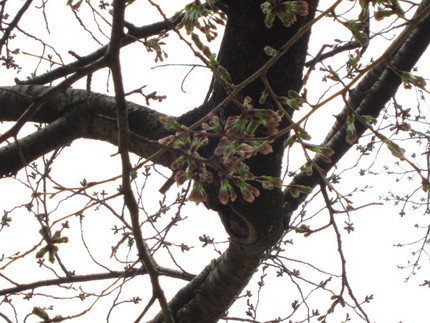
216,287
208,296
59,133
234,269
370,96
97,120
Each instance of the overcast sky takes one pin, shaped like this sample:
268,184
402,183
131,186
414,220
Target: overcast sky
371,258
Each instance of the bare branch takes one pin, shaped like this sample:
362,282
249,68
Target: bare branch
14,23
370,96
93,277
113,57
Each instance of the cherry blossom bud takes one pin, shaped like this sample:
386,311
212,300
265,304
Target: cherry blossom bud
166,140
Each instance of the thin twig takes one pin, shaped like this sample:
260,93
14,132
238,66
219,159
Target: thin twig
113,59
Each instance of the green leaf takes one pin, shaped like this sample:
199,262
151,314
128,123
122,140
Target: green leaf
263,97
40,313
369,119
196,39
268,20
270,51
249,192
169,123
269,182
351,132
357,28
307,168
41,252
226,192
192,12
425,185
291,140
294,100
243,171
395,149
383,13
223,73
409,79
323,152
303,134
213,125
285,11
296,190
198,193
302,229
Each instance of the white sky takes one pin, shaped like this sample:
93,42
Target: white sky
371,257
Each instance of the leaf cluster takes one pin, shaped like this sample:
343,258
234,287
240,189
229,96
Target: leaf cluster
204,18
51,247
239,139
286,11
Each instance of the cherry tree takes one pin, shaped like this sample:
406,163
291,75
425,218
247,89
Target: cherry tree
263,150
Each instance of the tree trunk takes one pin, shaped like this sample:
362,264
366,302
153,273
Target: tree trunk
76,114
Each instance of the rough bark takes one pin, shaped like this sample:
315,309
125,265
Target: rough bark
76,114
93,116
369,97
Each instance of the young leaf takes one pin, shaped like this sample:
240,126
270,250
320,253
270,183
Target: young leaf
249,192
269,182
351,132
40,313
307,168
226,192
169,123
198,193
323,152
409,79
294,100
223,73
291,140
296,190
395,149
425,185
270,51
303,134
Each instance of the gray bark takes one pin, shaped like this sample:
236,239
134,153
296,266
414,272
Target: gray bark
76,114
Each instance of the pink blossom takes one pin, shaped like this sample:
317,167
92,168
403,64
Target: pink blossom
166,140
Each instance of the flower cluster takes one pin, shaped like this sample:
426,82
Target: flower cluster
293,100
410,80
386,9
196,15
239,141
155,45
240,137
358,30
51,247
190,165
285,11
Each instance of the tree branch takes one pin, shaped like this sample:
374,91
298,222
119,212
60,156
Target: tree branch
59,133
98,121
370,96
93,277
14,23
133,35
208,296
113,58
